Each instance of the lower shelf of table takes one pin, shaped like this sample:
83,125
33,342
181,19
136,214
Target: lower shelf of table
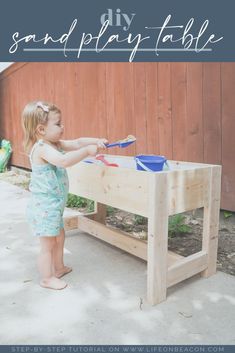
179,267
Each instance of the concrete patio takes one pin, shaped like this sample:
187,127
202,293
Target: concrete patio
105,301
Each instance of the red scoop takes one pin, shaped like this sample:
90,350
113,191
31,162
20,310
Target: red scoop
100,157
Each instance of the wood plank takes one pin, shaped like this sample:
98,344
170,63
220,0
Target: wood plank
120,239
212,113
120,104
152,108
179,110
16,110
165,110
114,237
140,107
211,222
228,141
70,223
157,239
122,188
173,257
188,189
59,90
186,268
194,119
70,218
100,212
9,127
3,107
85,109
182,165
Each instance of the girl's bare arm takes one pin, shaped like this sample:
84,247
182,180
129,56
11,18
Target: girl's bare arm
71,145
53,156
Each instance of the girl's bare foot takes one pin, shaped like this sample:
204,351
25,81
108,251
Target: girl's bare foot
53,283
62,271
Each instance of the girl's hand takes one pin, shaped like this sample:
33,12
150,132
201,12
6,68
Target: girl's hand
101,143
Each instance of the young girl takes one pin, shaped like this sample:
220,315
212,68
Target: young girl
49,156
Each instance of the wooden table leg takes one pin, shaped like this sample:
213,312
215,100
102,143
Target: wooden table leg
100,213
211,222
157,239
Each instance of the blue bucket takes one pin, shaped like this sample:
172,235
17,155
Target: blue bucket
150,163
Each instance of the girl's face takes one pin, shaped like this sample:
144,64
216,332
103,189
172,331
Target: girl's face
54,128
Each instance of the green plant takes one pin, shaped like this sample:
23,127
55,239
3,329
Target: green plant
80,202
110,210
227,214
176,225
90,205
75,201
140,220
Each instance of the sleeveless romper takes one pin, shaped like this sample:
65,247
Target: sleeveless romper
49,190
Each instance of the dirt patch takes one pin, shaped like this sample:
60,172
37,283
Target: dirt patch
182,243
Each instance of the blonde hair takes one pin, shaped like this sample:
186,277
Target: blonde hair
35,113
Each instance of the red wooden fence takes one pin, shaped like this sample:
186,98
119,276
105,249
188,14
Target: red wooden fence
184,111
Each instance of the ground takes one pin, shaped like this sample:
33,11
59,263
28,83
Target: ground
181,243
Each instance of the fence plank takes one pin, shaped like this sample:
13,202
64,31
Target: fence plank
152,108
194,113
228,141
120,104
164,110
140,107
179,110
212,112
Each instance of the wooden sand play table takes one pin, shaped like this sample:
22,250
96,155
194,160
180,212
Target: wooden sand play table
187,186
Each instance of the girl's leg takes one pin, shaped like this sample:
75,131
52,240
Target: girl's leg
58,256
45,263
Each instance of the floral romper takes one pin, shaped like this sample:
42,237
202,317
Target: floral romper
49,189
